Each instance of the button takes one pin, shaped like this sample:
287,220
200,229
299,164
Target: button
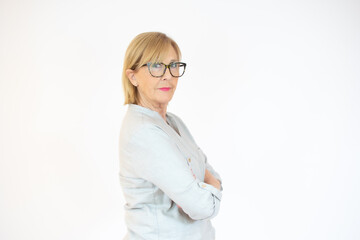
203,185
189,159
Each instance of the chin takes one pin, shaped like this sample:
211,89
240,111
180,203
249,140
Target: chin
164,100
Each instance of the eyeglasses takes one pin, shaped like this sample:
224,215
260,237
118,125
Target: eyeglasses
176,69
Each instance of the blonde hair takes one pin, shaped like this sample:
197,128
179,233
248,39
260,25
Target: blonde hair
145,47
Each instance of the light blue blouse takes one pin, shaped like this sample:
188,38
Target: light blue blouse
162,178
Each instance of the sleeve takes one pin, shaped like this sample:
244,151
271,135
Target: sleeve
157,159
212,170
208,166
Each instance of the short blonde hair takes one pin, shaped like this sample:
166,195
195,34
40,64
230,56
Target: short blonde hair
145,47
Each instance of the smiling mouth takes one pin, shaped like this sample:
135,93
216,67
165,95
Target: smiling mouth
165,89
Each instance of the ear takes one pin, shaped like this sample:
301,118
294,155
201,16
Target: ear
131,75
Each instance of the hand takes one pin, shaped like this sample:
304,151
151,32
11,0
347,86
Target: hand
210,179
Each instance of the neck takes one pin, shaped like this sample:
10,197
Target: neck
160,108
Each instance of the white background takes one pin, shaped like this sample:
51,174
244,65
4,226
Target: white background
271,94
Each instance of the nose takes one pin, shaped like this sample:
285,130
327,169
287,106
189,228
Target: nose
167,74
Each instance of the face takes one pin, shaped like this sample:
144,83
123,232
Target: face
155,91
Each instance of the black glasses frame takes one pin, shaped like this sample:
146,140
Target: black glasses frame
166,67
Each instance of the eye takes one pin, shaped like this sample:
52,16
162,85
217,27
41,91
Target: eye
156,65
174,65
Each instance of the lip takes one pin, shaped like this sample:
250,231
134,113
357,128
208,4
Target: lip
165,89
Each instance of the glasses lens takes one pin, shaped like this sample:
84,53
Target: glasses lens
177,69
156,69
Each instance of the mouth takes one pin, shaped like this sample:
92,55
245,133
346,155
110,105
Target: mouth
165,89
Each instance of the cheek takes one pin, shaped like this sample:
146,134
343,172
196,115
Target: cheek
143,80
147,85
175,82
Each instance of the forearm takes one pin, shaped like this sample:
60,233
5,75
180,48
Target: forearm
210,179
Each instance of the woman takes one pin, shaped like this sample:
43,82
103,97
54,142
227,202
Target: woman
170,189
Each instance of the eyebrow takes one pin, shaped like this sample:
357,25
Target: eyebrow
172,60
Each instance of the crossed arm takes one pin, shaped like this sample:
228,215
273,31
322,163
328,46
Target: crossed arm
210,179
157,160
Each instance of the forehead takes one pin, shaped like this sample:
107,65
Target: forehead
170,55
166,54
